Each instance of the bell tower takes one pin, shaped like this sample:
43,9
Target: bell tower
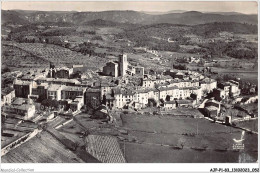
122,64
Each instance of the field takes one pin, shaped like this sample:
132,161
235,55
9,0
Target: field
15,57
5,140
147,63
138,153
251,124
104,148
83,123
109,31
158,135
249,75
60,55
249,37
41,149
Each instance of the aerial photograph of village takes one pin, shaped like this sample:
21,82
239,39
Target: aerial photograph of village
129,84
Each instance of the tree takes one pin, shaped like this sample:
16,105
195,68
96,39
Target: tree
50,103
179,66
5,69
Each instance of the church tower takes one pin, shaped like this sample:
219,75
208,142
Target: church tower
122,64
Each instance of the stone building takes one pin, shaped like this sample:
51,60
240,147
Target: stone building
22,88
111,69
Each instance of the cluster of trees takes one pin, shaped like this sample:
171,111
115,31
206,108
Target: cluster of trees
88,32
212,29
242,53
59,32
179,66
156,36
225,78
50,103
235,49
98,37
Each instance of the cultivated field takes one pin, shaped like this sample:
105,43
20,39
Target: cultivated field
60,55
16,57
104,148
43,148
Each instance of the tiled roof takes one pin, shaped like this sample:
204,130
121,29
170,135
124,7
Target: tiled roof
184,101
73,88
19,82
54,87
170,102
167,88
93,90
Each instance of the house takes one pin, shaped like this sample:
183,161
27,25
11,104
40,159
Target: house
147,83
111,69
71,92
93,97
169,105
109,101
208,84
219,94
22,107
185,103
169,93
141,97
106,88
234,88
212,108
226,88
67,82
22,88
7,96
77,103
54,92
123,98
39,92
63,72
211,111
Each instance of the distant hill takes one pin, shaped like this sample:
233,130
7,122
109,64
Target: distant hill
166,12
194,18
177,31
134,17
12,17
214,28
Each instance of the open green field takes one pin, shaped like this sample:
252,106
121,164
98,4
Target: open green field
138,153
249,75
156,136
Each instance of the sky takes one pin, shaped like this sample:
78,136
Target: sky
245,7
